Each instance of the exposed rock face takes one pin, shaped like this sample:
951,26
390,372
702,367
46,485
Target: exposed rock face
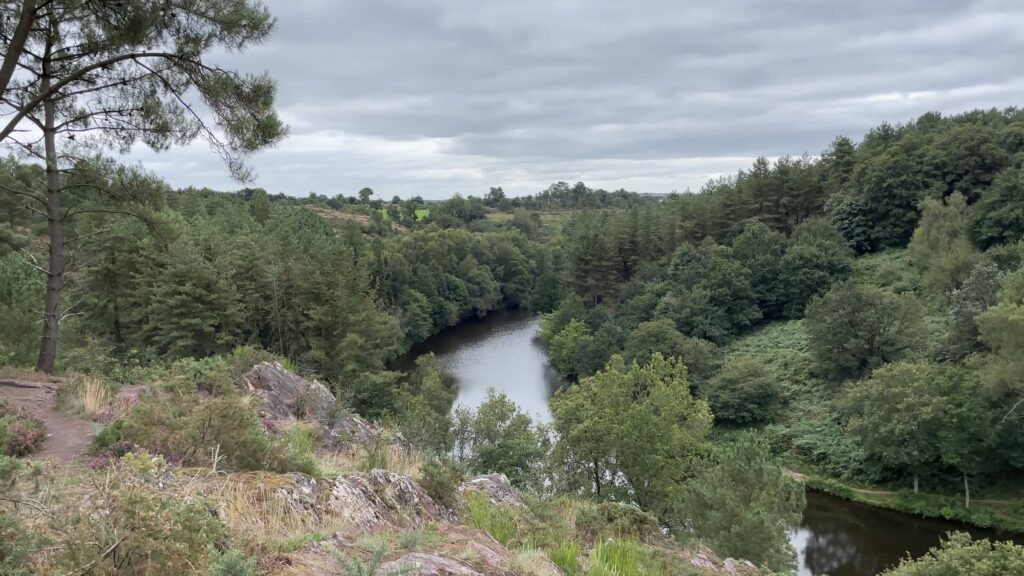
704,559
380,499
287,396
496,486
418,564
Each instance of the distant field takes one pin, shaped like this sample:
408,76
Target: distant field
421,213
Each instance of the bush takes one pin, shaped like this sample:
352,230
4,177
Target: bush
190,431
233,563
595,522
17,544
20,432
144,530
743,393
441,479
962,555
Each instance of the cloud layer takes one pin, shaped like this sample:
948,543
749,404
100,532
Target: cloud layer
434,97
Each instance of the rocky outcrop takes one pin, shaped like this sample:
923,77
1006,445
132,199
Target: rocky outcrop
704,559
497,487
419,564
288,396
371,501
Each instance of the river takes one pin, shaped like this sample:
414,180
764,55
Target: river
836,537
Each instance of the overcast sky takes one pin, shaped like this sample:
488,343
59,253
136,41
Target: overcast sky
434,97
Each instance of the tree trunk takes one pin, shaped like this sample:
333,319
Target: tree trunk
18,40
915,483
55,269
967,492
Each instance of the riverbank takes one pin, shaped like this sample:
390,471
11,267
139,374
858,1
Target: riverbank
1000,515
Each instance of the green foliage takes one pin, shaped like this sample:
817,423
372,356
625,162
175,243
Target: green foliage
441,479
711,295
1001,329
17,544
568,349
498,521
854,329
897,416
743,504
639,423
566,555
661,337
998,216
498,437
941,247
233,563
148,531
979,292
20,293
624,558
959,554
612,520
193,432
743,392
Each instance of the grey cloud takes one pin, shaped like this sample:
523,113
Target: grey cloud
434,97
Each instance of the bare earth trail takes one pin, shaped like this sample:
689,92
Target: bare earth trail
68,438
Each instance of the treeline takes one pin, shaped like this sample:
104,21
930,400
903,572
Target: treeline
199,273
898,367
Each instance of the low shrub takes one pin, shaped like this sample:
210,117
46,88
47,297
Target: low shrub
611,520
141,531
441,479
193,432
233,563
20,432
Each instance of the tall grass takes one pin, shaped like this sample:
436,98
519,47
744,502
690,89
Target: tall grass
84,395
259,518
499,521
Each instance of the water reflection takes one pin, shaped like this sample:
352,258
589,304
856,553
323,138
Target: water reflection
842,538
501,351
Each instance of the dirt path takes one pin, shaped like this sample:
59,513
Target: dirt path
67,438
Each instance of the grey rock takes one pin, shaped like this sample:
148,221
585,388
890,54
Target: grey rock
497,487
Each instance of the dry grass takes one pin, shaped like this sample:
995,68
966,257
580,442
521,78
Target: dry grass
259,519
84,395
532,563
383,454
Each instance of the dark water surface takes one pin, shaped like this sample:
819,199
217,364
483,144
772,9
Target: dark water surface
842,538
836,538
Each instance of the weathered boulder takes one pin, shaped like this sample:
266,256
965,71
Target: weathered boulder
497,488
419,564
288,396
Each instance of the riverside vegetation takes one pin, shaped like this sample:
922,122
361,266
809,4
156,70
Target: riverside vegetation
857,316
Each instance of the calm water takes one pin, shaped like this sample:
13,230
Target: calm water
500,351
836,538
